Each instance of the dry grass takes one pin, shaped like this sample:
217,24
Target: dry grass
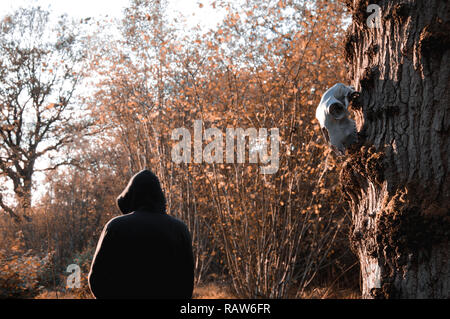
213,291
221,291
327,293
60,295
206,291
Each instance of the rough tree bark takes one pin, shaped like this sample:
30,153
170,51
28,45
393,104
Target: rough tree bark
396,179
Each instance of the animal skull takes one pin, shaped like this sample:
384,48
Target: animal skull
333,116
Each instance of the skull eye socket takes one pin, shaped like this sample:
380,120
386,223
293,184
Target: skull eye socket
338,111
353,96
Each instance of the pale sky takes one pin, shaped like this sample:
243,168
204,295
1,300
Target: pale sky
203,14
78,8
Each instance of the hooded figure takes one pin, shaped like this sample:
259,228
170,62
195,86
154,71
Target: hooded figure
145,253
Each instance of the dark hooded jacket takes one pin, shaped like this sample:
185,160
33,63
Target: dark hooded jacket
145,253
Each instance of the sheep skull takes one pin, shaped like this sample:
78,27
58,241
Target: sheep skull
332,113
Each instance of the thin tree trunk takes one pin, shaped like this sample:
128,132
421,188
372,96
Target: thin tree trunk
397,179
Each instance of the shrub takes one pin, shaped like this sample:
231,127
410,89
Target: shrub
21,272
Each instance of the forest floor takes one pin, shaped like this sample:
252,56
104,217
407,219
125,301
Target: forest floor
221,291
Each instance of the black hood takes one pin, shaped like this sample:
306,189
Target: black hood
143,192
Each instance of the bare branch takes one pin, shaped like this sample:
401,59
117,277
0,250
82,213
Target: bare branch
8,209
74,163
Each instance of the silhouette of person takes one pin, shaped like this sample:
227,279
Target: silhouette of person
144,253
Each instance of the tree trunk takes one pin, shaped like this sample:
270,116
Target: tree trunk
397,180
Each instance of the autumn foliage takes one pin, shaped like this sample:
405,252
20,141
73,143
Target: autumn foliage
265,66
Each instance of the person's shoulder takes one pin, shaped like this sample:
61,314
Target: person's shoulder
114,222
178,222
180,228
